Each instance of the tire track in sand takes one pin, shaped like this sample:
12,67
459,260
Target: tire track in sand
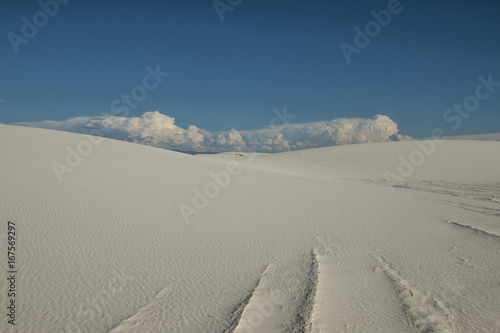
146,312
477,230
424,312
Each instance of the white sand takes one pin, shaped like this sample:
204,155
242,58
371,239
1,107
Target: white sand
306,241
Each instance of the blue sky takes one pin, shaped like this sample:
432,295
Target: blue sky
263,55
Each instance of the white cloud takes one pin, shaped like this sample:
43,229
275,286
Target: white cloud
159,130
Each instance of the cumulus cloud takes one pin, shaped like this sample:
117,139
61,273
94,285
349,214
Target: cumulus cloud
159,130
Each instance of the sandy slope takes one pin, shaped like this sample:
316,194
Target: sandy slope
452,161
314,241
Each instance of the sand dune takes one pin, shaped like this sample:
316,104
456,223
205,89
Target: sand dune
140,239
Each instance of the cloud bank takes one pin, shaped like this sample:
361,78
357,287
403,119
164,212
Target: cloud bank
159,130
